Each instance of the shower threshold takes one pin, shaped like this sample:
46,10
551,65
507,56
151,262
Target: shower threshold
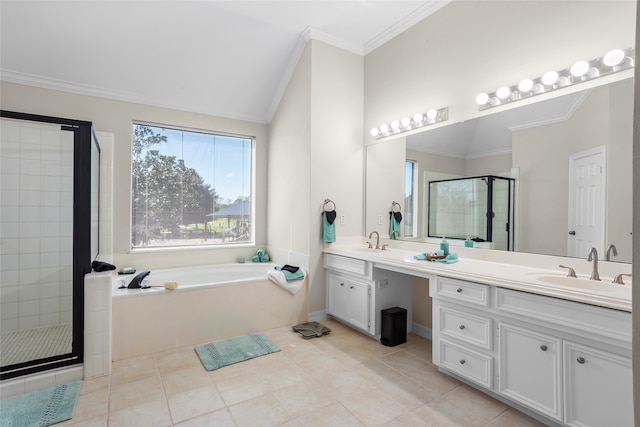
33,344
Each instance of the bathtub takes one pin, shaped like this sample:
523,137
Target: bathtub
211,303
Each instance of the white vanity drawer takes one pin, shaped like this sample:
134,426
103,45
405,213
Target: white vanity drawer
459,290
470,364
466,327
348,265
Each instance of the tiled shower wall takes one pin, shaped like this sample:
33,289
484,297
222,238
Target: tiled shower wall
36,225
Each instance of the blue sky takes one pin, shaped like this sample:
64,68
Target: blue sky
223,162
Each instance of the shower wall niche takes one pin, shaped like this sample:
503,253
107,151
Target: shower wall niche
48,199
481,208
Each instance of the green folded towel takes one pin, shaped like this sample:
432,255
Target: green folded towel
260,256
450,259
289,276
421,257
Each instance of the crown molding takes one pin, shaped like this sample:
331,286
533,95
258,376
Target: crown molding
562,117
404,24
116,95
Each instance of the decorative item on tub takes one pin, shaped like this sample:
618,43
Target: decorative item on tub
261,256
287,276
395,216
328,222
100,266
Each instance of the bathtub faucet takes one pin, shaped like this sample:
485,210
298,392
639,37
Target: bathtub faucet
136,282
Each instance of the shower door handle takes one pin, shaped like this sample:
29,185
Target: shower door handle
572,233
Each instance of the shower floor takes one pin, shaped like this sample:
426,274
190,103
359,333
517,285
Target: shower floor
32,344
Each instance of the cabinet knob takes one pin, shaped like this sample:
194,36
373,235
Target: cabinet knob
462,361
351,287
461,326
459,290
580,360
341,284
543,347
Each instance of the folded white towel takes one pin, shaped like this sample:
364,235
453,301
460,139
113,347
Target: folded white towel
278,277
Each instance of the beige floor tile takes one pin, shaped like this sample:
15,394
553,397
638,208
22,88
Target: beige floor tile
408,419
443,413
370,406
404,362
152,413
279,377
300,398
328,416
100,421
185,379
421,349
195,402
512,418
239,389
482,406
219,418
95,384
89,406
178,359
261,411
430,377
133,369
135,393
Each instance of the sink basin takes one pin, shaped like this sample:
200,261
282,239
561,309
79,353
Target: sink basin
602,287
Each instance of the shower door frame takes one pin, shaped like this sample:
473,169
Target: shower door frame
82,132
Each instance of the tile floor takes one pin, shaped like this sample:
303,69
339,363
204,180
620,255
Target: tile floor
342,379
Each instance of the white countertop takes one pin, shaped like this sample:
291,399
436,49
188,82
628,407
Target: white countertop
542,281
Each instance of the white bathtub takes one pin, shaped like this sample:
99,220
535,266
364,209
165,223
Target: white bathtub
211,303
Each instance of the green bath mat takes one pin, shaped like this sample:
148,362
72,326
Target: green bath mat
233,350
40,408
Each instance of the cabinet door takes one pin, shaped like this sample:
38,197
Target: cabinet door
530,365
359,304
598,387
338,296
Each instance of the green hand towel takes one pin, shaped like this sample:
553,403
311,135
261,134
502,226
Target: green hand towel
394,224
328,229
421,257
289,276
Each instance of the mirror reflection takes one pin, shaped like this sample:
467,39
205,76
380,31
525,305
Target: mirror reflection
571,158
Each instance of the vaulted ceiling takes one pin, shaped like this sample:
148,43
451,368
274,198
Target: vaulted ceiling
226,58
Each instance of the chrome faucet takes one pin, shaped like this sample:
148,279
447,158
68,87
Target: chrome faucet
377,238
593,256
611,248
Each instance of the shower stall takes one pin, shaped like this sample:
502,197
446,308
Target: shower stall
480,208
48,237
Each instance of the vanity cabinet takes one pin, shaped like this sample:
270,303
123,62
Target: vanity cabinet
350,300
568,362
357,292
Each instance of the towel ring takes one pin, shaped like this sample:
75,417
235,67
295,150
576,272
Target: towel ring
326,202
394,205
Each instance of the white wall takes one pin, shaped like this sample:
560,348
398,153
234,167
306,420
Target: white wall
316,153
116,117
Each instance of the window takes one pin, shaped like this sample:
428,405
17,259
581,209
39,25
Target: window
190,188
410,204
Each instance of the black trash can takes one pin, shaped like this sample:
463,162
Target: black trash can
394,326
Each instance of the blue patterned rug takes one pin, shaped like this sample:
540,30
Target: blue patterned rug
40,408
233,350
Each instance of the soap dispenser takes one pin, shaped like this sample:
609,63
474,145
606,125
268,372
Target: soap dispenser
444,246
468,243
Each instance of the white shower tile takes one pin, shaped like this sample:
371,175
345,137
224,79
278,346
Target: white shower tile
29,245
49,319
9,294
10,246
29,166
50,290
30,214
30,198
50,275
9,197
10,181
66,317
29,276
28,322
50,198
9,278
29,260
29,229
30,182
29,133
9,325
9,230
49,168
50,213
49,244
66,258
9,260
10,214
50,229
9,164
66,198
66,227
29,292
29,308
66,183
50,183
49,305
9,310
49,259
66,302
10,132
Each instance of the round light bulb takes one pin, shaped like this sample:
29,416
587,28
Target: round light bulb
432,114
482,98
418,118
579,69
375,132
384,128
525,85
503,92
613,57
550,77
406,121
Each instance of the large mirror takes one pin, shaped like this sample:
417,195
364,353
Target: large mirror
546,147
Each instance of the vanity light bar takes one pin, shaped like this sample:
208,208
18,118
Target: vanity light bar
406,124
614,61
